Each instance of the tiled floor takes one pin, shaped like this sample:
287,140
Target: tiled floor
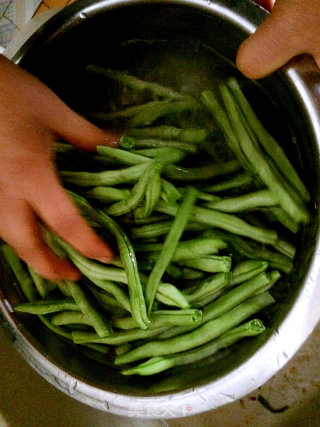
14,14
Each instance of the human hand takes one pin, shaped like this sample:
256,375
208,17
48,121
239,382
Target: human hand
292,28
32,117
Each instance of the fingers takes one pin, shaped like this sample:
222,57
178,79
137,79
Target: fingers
267,4
57,211
283,35
80,132
270,47
20,229
29,188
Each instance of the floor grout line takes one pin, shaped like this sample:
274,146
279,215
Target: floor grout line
5,10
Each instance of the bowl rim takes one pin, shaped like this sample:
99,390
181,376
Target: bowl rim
282,343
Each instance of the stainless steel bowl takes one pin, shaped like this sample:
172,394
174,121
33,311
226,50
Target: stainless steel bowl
103,31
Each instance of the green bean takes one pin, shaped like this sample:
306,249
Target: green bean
161,363
260,198
169,192
124,156
50,240
256,164
152,194
252,250
273,276
133,82
284,219
126,143
285,248
287,199
161,318
271,147
205,333
107,194
70,318
43,286
143,221
90,268
246,270
63,332
63,288
122,348
137,192
147,108
115,290
158,143
107,302
192,135
235,296
155,110
161,228
207,197
58,330
228,301
225,221
103,349
97,321
207,299
209,263
147,247
146,114
240,180
183,273
170,295
169,246
188,248
202,288
151,230
47,306
205,172
116,338
164,155
91,179
137,301
209,99
22,276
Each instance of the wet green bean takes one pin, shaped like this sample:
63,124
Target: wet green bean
106,178
200,173
192,135
161,363
209,263
205,333
47,306
161,318
97,321
169,245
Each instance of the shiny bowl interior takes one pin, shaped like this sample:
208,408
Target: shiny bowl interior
184,44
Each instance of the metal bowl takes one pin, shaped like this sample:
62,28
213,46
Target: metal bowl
164,40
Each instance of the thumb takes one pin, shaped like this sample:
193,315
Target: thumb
80,132
276,41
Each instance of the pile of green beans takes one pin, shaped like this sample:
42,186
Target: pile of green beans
199,241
